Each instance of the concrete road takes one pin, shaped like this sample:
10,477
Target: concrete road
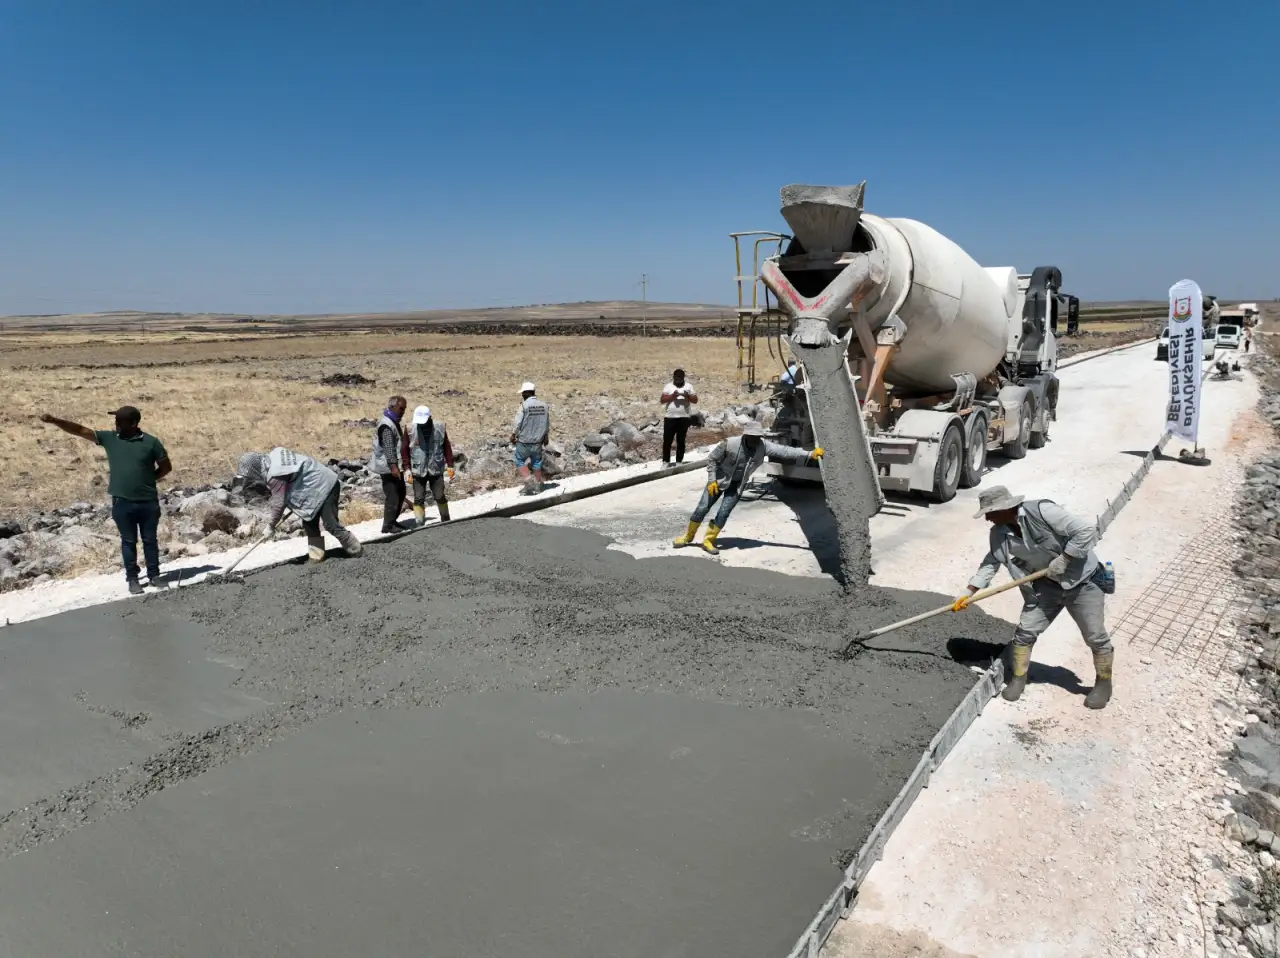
1110,413
163,854
1000,855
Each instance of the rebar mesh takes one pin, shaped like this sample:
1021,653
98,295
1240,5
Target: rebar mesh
1193,609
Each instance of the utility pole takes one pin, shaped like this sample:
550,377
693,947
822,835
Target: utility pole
644,299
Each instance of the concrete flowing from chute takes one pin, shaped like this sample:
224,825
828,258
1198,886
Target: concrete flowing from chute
848,472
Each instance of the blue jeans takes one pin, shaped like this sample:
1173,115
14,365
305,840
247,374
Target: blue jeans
730,498
132,517
530,452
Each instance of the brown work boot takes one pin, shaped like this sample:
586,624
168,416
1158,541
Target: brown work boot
1100,694
1018,681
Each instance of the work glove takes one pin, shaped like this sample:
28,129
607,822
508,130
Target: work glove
1057,567
961,603
817,453
713,488
448,473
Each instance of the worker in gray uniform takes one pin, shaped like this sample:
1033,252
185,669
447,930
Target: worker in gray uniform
730,465
1027,537
430,462
530,431
305,486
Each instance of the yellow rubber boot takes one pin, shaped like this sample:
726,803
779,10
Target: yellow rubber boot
709,540
1100,694
687,538
1021,664
420,513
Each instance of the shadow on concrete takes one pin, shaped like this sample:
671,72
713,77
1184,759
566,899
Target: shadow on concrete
973,652
1063,678
743,544
984,654
809,505
1143,453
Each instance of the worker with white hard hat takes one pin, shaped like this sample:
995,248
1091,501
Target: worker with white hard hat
1026,537
530,431
430,462
729,466
305,486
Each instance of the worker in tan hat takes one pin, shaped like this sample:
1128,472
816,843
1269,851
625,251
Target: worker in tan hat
729,466
1026,537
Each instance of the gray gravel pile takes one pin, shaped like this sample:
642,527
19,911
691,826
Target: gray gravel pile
1250,923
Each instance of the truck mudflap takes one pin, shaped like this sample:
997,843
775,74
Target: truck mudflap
907,458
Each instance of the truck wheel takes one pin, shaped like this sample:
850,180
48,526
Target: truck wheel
950,465
1017,449
975,451
1038,439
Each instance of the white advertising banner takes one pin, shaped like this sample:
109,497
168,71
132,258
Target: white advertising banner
1185,306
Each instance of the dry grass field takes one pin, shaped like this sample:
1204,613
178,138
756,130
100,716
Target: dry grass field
214,389
210,397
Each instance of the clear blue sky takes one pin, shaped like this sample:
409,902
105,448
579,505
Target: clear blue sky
290,156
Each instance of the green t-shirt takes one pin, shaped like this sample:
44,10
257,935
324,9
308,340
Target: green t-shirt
132,465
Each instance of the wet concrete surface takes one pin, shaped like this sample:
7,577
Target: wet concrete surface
497,738
86,692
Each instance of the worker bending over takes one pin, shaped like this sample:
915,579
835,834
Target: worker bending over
729,466
305,486
430,461
1025,538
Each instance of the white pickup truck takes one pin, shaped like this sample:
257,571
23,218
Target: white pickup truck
1208,343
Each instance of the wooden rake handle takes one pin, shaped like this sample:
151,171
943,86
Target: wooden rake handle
976,597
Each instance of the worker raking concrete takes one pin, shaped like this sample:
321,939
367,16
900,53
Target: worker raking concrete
1027,537
730,465
309,489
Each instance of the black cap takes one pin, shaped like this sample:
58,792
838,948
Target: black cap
127,413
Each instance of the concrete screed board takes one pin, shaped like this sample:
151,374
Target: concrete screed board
495,739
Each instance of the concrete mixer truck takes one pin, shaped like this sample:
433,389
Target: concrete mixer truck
917,362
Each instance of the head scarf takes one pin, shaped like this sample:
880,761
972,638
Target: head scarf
253,466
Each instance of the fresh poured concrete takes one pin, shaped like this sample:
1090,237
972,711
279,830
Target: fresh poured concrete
496,738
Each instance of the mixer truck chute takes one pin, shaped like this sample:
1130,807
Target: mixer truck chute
943,361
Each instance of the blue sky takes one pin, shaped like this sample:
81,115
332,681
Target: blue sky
286,156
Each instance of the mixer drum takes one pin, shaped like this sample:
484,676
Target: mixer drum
958,316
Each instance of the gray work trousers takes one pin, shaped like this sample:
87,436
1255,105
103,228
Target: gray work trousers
328,514
424,484
1045,599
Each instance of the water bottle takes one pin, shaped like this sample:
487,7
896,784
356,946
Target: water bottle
1108,578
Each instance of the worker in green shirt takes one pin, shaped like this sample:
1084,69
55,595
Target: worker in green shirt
135,460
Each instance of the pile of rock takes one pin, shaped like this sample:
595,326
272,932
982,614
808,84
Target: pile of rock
1257,510
1250,815
738,415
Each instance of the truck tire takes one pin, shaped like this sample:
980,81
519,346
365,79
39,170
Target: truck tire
975,451
1017,449
950,466
1038,439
